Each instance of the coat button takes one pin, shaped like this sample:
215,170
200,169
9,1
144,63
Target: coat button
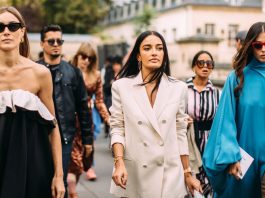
161,143
145,166
145,144
164,121
160,163
140,122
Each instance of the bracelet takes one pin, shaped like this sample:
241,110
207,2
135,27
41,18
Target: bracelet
187,170
116,158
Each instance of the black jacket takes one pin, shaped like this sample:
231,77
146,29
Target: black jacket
70,99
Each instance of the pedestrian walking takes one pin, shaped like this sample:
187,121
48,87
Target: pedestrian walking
149,125
239,123
86,60
69,94
203,99
30,148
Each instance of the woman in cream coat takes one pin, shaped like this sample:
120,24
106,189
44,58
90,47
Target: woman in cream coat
148,126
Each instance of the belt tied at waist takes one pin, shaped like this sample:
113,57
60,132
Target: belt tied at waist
202,125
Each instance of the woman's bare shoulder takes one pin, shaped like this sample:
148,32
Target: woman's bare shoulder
39,70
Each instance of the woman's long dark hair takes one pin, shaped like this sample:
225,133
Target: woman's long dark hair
245,54
131,68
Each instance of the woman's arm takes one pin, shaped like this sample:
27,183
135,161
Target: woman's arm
119,175
117,134
45,95
181,123
99,102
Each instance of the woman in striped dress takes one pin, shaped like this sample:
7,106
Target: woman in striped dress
203,99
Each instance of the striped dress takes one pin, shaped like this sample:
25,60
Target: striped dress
201,107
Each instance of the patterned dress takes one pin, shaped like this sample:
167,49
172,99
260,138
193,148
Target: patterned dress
78,162
201,108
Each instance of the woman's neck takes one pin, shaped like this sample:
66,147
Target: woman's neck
200,82
9,59
147,75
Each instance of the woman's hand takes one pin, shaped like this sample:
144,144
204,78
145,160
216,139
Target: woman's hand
189,120
119,175
192,184
235,170
88,150
57,187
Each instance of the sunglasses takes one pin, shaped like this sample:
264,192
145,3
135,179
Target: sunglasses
201,64
257,45
51,42
12,27
84,57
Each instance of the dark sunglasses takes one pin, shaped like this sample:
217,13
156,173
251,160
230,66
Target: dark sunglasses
51,42
12,27
84,57
258,45
201,64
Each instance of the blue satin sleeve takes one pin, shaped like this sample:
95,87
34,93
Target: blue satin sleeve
222,147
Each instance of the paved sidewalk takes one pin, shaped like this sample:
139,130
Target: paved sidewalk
103,169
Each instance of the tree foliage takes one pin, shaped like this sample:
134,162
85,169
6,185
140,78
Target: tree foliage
74,16
143,21
78,16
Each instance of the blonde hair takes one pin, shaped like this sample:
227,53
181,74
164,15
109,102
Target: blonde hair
88,50
24,46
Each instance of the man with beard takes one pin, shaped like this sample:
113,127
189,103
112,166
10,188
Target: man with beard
69,94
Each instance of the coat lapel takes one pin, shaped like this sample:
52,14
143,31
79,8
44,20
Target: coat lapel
162,96
142,100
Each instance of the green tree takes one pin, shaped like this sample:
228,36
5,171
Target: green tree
143,21
79,16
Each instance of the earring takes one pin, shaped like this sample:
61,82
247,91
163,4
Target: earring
22,40
139,65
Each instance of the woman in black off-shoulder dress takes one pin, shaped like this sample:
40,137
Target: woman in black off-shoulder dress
30,146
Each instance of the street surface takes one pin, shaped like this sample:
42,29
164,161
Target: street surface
103,168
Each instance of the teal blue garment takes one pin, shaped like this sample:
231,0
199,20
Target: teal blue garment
238,124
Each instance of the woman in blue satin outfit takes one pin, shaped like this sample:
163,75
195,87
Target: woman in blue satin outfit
240,122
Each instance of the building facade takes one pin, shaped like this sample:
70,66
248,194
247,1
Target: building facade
189,26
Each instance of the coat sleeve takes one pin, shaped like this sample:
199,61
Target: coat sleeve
117,118
222,147
181,123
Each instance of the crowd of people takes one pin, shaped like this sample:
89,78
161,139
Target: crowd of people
169,139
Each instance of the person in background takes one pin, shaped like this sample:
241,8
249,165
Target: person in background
240,38
69,94
239,124
203,99
30,147
86,60
149,125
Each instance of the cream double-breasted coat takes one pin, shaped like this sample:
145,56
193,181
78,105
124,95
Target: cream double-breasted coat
153,137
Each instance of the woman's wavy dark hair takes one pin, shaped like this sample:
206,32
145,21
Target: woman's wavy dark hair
131,68
245,54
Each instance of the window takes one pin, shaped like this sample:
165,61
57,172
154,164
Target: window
232,30
154,3
136,6
173,2
198,31
163,3
129,9
174,32
210,29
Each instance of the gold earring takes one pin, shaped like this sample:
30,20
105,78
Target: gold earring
22,40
